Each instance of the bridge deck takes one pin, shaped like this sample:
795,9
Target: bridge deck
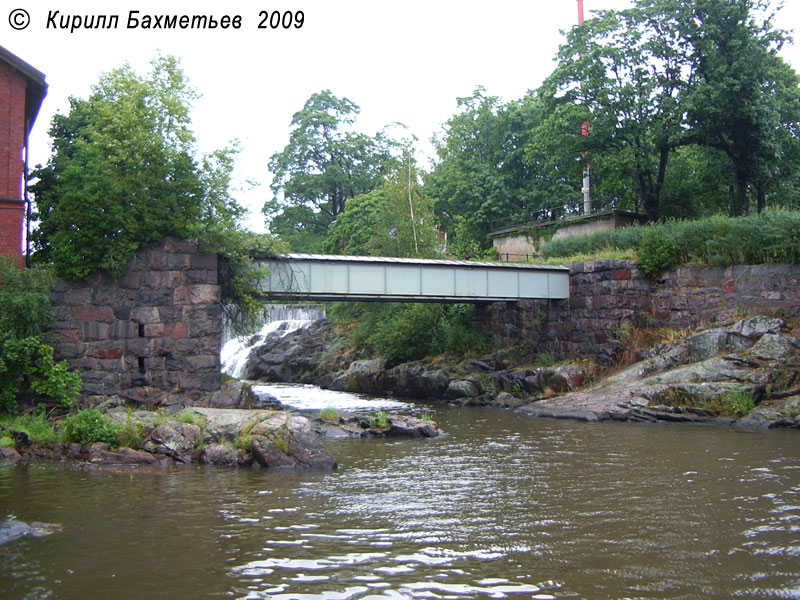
324,277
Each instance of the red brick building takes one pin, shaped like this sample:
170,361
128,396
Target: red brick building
22,89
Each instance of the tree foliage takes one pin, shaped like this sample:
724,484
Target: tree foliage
324,164
481,173
27,366
123,173
667,74
395,219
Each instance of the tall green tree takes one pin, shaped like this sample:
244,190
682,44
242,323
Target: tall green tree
667,74
123,173
622,72
746,98
481,173
324,164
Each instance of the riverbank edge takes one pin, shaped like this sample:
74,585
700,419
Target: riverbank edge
241,437
704,376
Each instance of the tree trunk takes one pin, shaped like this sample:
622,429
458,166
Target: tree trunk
761,195
744,201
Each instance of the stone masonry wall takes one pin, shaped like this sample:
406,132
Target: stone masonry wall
607,294
152,331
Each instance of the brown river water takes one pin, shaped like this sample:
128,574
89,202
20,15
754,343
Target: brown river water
505,506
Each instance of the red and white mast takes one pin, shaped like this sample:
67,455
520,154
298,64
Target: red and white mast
587,169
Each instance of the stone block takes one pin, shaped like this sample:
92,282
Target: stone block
131,279
153,330
171,313
123,330
203,294
122,313
145,314
154,363
152,298
204,261
207,382
79,296
201,276
203,362
94,331
161,279
620,274
204,328
107,296
178,262
177,330
175,245
69,336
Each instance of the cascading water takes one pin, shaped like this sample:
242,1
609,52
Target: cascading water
281,319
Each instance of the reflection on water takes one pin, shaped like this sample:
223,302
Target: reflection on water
504,507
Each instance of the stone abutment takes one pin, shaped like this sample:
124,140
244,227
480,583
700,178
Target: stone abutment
153,330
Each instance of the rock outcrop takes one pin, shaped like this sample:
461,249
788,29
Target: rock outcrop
718,374
294,357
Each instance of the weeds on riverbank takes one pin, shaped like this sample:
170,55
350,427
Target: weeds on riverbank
35,425
329,414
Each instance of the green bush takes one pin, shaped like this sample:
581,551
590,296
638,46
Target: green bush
26,359
129,434
658,251
89,426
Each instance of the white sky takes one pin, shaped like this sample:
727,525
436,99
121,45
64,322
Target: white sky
399,61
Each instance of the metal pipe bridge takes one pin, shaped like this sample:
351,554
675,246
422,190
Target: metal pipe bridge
324,277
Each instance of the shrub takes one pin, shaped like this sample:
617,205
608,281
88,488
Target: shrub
26,359
737,403
89,426
657,252
771,237
130,434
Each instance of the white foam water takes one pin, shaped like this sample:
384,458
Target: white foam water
281,319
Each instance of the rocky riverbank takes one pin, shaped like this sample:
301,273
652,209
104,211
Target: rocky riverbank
745,372
275,439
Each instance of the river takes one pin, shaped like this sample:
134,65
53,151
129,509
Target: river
504,506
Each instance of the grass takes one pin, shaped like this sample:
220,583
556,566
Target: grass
329,414
36,426
380,420
737,403
130,434
243,442
579,257
187,415
281,441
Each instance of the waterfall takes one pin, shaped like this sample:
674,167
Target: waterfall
281,319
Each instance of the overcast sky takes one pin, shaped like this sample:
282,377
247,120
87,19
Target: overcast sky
399,61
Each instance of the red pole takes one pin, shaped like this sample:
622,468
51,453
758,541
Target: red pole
587,190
